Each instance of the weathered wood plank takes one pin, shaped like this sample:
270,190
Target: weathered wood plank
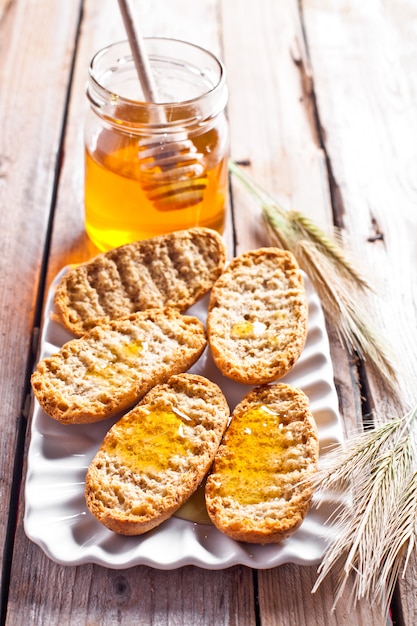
363,55
290,603
366,92
51,595
270,112
32,98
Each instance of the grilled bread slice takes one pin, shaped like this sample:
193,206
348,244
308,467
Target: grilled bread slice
111,367
258,491
172,270
155,457
257,320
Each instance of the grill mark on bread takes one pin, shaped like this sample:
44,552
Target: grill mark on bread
84,297
160,272
105,278
136,279
153,458
110,368
259,489
170,270
182,261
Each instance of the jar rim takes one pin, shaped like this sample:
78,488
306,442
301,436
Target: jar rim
101,95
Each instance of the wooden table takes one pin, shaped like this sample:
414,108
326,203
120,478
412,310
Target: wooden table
323,106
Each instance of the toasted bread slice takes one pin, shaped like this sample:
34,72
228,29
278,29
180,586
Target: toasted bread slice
257,320
258,490
155,457
111,367
173,270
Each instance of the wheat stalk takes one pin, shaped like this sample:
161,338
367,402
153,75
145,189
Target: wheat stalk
378,529
339,284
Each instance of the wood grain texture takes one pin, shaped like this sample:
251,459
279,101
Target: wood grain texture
51,595
363,55
270,112
32,99
280,603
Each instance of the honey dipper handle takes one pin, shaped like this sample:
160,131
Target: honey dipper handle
139,54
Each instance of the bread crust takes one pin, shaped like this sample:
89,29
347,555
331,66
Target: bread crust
254,492
112,366
172,270
257,316
155,457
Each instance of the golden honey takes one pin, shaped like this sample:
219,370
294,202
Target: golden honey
248,330
149,443
127,354
118,210
194,509
258,442
128,194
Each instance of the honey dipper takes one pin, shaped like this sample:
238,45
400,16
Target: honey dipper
173,169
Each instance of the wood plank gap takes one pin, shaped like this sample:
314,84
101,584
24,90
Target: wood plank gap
15,492
232,217
397,613
367,406
258,620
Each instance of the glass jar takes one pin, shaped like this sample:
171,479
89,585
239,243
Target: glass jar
152,168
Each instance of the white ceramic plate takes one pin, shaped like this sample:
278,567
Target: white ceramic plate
57,518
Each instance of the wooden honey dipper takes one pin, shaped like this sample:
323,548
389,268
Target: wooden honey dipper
173,171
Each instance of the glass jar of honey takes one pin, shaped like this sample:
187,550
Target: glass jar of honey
155,167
